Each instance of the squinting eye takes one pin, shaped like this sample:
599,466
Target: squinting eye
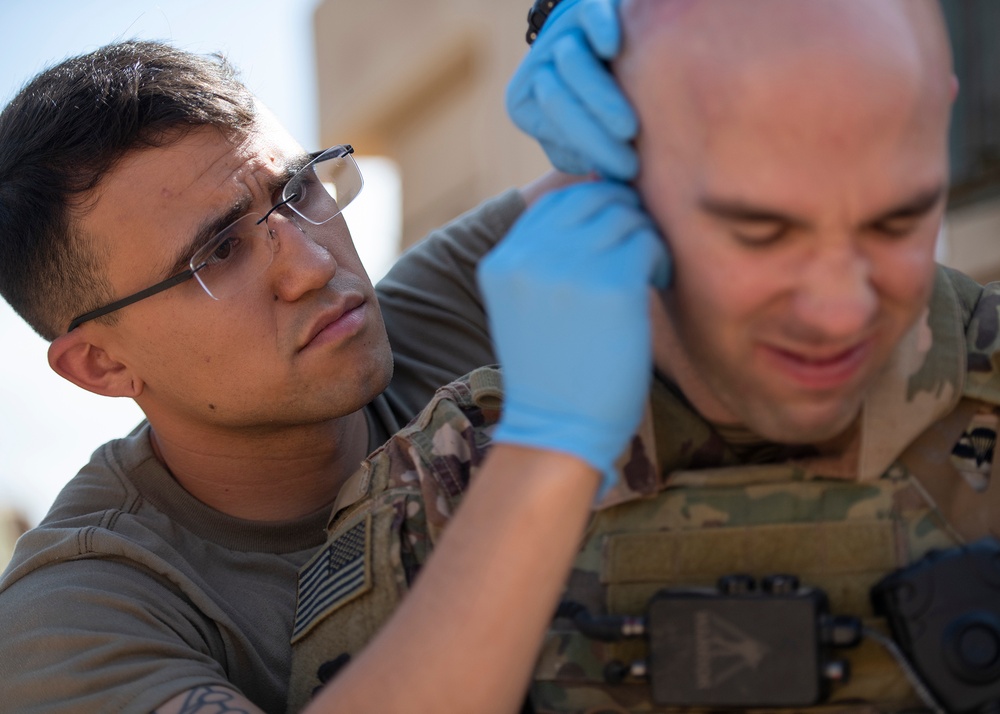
292,191
755,235
224,250
297,189
897,228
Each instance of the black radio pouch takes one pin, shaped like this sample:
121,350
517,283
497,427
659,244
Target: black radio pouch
737,646
944,613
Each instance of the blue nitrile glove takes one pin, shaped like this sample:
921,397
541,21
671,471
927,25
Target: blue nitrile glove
564,96
567,294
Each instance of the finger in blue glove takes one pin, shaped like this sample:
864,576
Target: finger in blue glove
564,96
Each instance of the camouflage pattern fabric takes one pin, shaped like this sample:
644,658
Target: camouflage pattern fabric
390,514
690,507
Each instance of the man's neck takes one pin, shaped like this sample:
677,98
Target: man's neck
278,475
751,447
672,367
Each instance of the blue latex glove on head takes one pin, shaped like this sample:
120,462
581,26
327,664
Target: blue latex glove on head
564,96
567,294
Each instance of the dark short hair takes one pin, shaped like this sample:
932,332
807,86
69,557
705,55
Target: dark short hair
64,131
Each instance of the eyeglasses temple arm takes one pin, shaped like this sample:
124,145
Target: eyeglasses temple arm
141,295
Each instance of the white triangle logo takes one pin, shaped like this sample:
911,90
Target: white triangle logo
722,650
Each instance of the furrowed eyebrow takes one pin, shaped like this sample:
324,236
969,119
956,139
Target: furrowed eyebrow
734,210
917,206
214,226
209,230
297,163
920,204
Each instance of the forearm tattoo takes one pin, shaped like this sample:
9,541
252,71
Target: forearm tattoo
212,700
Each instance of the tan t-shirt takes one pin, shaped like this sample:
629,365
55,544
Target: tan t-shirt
132,591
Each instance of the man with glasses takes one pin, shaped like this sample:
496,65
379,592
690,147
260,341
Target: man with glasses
178,248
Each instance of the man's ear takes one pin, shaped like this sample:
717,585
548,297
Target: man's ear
75,358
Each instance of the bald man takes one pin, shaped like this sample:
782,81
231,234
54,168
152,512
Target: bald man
796,160
823,392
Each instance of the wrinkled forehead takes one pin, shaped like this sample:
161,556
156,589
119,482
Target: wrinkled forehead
166,199
205,153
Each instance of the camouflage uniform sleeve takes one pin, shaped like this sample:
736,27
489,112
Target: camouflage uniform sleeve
434,458
380,536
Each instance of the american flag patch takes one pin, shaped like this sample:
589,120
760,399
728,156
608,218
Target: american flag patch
336,575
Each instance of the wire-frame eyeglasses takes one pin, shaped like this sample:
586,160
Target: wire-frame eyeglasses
244,249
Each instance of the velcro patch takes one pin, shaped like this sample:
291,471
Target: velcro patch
340,572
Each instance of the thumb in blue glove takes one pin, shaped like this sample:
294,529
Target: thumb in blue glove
567,294
564,96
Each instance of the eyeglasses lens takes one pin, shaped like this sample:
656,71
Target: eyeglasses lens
244,249
234,258
324,188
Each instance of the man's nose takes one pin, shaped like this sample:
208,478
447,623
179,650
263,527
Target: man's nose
301,263
835,295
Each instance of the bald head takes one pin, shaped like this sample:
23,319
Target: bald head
716,39
849,61
836,62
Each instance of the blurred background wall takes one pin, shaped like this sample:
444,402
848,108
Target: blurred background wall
973,240
422,83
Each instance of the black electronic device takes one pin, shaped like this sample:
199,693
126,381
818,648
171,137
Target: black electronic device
944,613
740,646
537,16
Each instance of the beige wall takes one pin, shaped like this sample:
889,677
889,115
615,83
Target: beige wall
422,81
972,240
12,525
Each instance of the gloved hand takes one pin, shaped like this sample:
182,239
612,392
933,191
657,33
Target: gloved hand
567,294
564,96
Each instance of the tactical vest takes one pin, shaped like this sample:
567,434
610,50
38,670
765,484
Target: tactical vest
841,537
838,535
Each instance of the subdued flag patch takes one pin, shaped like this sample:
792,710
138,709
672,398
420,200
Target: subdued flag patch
340,572
973,454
